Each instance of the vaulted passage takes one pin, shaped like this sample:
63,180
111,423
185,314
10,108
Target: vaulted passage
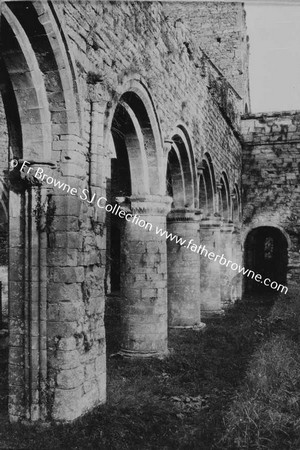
265,254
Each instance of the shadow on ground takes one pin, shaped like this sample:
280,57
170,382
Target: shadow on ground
175,403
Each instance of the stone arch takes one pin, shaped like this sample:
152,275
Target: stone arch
207,186
264,223
265,253
175,178
135,95
236,204
133,129
183,221
28,86
52,20
4,198
181,169
50,46
224,197
41,117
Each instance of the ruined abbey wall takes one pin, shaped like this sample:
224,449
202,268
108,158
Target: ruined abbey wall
219,28
271,180
118,69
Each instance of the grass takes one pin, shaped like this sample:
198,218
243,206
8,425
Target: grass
234,386
265,413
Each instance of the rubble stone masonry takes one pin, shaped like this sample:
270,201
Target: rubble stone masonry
97,84
271,177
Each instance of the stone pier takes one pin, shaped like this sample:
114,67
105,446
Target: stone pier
184,270
144,279
226,273
210,270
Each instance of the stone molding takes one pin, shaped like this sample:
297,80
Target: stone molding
184,215
154,205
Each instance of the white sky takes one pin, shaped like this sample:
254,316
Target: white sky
274,33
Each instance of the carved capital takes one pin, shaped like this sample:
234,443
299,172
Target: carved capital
184,215
152,205
168,145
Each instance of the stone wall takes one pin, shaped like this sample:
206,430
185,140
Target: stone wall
271,177
113,67
219,28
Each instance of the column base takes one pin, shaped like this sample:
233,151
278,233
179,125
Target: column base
199,327
134,354
212,314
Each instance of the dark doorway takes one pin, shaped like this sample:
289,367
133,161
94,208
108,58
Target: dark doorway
266,254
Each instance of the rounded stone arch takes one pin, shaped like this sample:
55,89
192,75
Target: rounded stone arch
264,223
175,178
38,99
130,142
129,146
236,203
207,186
134,94
224,196
181,169
265,253
45,84
28,89
53,21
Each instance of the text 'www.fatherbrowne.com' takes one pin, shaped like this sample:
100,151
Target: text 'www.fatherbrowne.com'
102,203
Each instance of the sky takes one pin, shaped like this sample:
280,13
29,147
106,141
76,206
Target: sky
274,33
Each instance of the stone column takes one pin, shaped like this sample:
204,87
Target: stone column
184,270
144,279
27,300
210,281
17,404
226,273
237,255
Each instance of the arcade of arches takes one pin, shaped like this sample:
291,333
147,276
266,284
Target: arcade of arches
148,136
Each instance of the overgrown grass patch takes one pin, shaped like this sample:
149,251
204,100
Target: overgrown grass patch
180,402
265,413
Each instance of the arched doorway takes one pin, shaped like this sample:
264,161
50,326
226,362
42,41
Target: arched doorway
265,253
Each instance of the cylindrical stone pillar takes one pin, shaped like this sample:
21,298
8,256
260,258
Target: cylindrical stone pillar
227,274
144,278
184,269
237,282
210,283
